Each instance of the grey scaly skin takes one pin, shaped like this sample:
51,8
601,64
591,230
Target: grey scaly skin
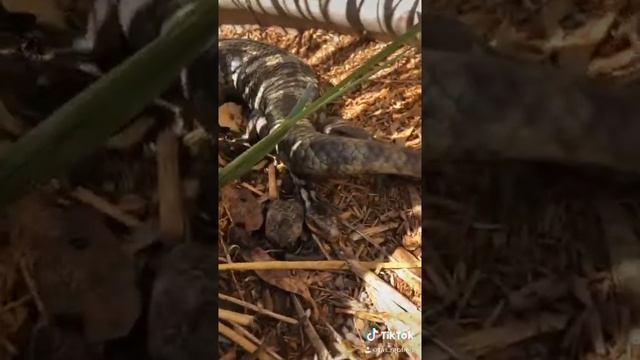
271,81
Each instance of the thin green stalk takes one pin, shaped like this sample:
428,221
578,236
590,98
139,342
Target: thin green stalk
243,163
83,124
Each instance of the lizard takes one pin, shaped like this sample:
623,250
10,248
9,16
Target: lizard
271,81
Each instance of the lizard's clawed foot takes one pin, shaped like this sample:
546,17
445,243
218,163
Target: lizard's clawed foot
337,126
347,129
320,216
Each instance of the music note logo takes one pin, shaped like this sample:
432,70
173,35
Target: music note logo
371,335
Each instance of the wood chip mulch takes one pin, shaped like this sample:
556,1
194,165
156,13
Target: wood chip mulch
382,221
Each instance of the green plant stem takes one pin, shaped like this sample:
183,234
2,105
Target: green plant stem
84,123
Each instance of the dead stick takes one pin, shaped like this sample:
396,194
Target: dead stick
33,289
105,207
169,187
232,316
312,334
242,341
315,265
258,309
244,332
390,293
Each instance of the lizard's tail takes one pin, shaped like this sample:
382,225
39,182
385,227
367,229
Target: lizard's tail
329,156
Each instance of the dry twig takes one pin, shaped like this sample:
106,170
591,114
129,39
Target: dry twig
232,316
243,342
90,198
315,265
258,309
171,207
312,334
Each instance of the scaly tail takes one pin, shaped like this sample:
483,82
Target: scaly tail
328,156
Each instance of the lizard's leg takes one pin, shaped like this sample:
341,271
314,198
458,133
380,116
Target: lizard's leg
232,146
257,126
320,216
335,125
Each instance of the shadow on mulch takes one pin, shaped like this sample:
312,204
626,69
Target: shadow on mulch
522,259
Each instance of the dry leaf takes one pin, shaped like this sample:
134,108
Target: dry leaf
243,207
238,235
230,116
230,355
613,63
591,33
79,268
404,134
282,279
